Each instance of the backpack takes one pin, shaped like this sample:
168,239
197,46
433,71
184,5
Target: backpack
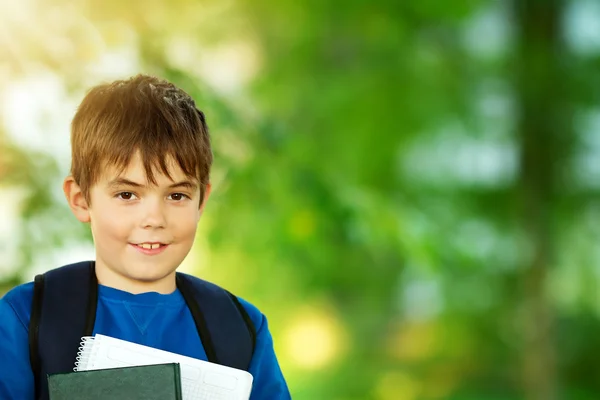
64,310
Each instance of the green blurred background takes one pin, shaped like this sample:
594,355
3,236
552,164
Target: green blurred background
408,190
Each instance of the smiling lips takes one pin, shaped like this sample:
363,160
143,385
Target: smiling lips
150,248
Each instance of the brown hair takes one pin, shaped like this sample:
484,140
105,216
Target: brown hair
144,114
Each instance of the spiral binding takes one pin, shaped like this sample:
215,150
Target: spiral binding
84,354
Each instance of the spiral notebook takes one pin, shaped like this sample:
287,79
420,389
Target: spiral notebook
200,380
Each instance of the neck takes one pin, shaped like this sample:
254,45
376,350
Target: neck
115,280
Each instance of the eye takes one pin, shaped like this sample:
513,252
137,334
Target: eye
178,196
125,195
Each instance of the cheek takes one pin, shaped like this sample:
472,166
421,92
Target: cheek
109,226
187,224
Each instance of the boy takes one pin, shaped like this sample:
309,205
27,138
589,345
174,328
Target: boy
141,158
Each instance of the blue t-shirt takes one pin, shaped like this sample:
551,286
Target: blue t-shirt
152,319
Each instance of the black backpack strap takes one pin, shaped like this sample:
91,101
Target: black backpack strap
63,310
36,311
225,328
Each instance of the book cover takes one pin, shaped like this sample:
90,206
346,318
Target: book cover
148,382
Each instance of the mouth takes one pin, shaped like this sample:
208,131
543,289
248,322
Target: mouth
149,248
149,245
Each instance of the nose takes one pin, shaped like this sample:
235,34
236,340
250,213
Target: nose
153,214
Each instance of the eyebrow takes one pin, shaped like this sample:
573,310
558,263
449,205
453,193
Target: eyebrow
119,182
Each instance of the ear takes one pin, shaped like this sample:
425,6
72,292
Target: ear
76,199
206,196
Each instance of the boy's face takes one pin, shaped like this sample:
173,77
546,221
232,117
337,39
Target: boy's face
142,232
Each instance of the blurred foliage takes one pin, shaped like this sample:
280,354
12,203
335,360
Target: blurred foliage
406,189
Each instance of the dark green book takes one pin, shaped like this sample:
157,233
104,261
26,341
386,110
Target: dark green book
149,382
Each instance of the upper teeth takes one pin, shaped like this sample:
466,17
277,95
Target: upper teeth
149,246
